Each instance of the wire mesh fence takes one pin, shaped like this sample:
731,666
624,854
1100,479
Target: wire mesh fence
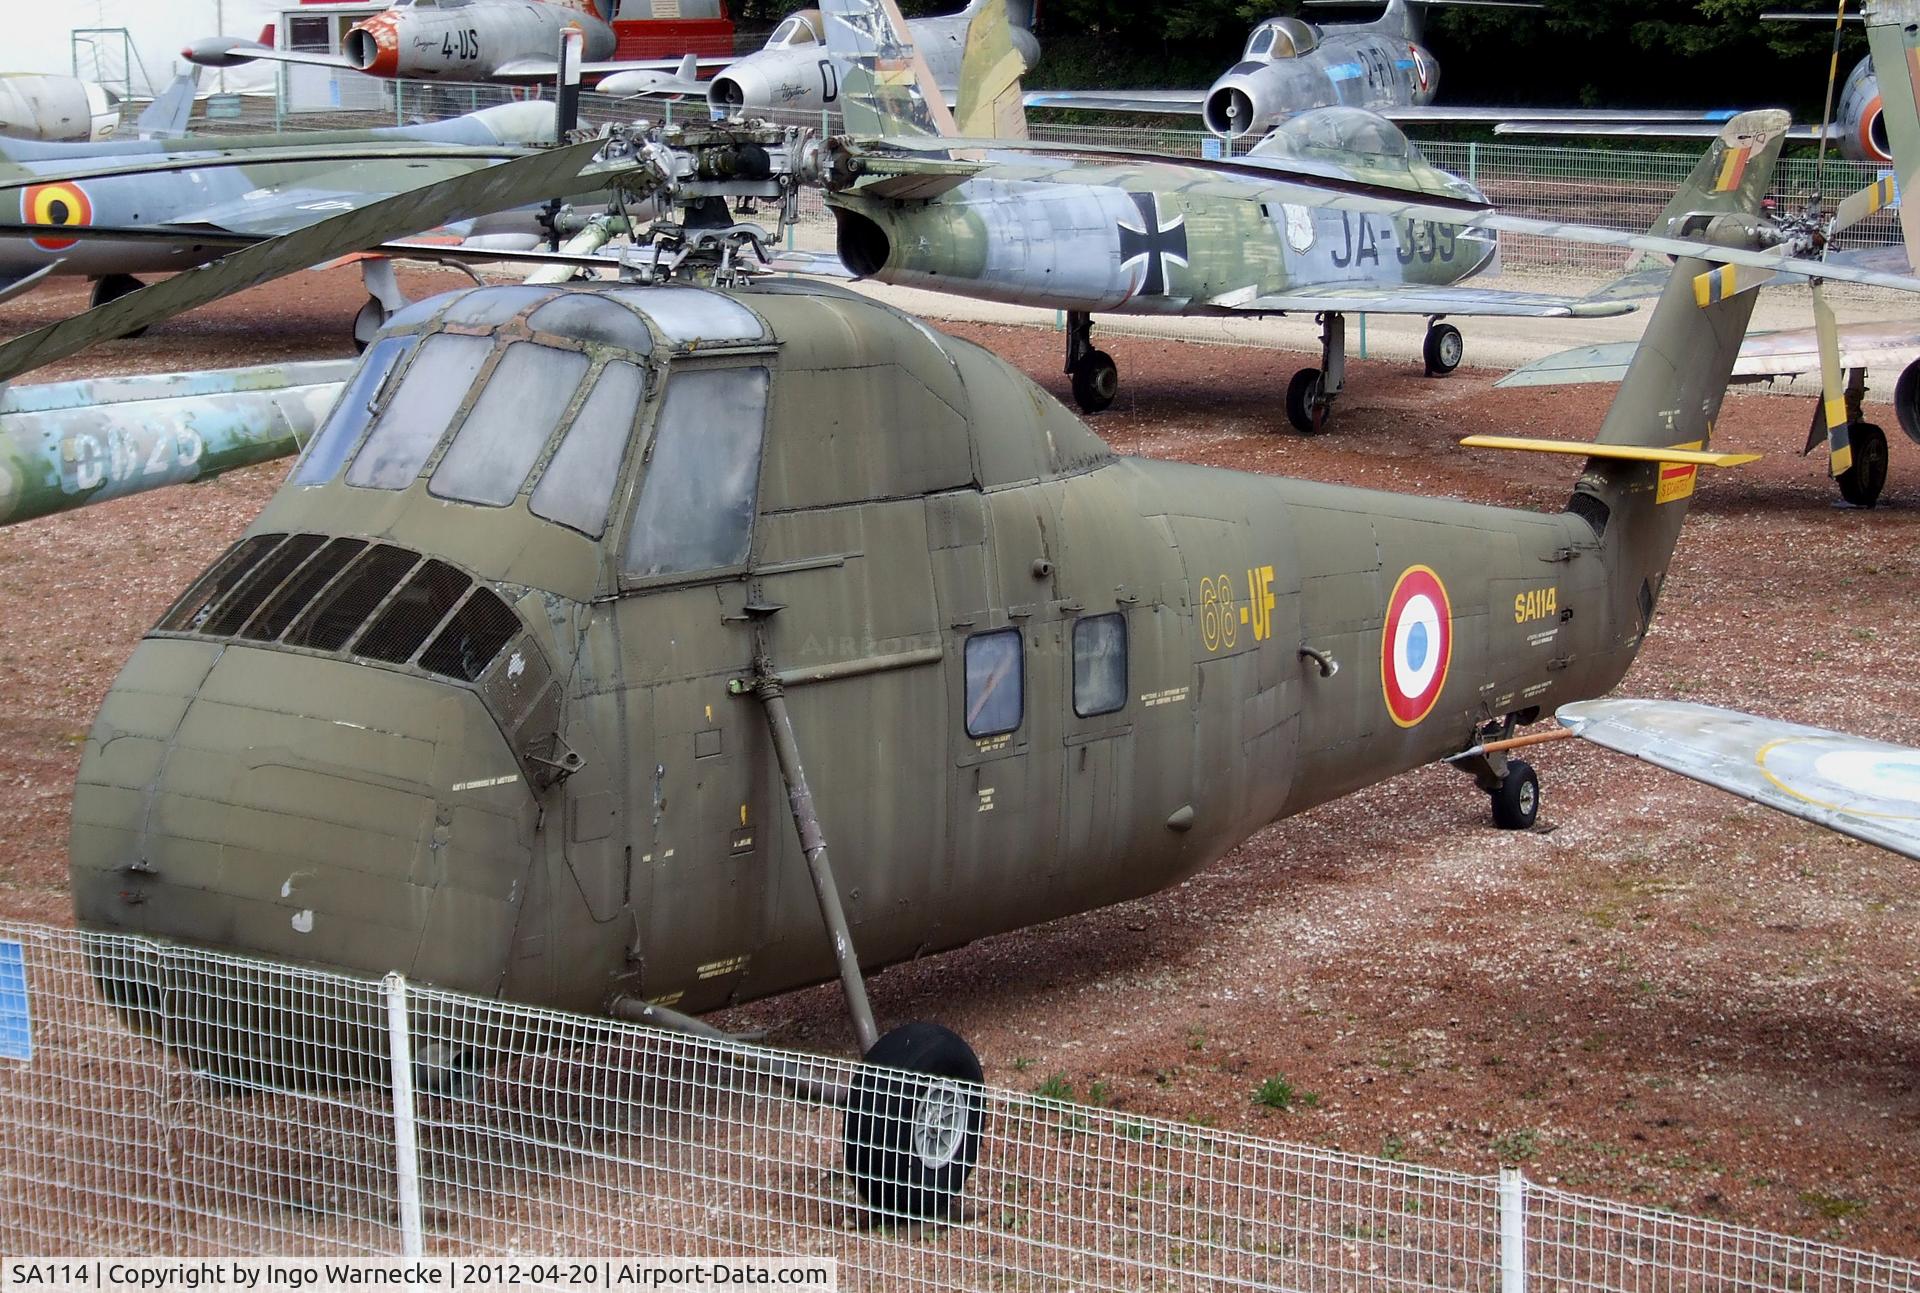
157,1100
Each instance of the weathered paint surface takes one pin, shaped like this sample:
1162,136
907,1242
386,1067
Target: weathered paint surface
65,445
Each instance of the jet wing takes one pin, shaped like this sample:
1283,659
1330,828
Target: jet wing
1867,789
1652,124
545,69
247,49
1403,298
1184,102
1764,355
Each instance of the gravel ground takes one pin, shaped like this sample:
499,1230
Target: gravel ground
1663,995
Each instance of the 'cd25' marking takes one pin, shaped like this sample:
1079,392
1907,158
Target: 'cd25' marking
1416,645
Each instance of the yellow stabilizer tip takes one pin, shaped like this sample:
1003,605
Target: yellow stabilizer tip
1620,452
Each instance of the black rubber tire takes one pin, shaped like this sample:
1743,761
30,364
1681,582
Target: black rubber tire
1444,349
1302,391
1906,400
1096,380
110,289
1861,483
367,324
912,1129
1516,805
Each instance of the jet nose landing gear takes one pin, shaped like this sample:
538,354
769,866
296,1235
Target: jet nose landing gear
1443,349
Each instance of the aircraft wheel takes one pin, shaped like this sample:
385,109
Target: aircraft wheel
111,288
914,1114
439,1069
1517,803
1906,400
1303,396
1444,349
367,324
1860,484
1096,380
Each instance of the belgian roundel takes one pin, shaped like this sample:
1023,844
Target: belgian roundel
56,204
1416,645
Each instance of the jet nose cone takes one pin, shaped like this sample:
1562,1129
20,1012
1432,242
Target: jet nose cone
300,808
731,91
1229,112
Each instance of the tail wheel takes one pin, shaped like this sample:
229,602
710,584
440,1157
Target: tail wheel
1096,380
1444,349
1304,407
914,1115
1861,483
1516,804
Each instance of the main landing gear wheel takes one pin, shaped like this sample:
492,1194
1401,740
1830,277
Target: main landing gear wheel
367,324
1444,349
1096,380
1861,483
1516,804
111,288
1305,409
913,1122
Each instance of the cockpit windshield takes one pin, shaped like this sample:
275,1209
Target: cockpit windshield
1340,136
1283,38
793,30
514,395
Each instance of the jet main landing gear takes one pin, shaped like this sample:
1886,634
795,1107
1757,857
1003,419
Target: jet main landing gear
1311,393
1443,349
1096,378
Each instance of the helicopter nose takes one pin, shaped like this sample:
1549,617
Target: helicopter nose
303,808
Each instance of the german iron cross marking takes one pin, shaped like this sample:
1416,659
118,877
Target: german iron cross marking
1153,243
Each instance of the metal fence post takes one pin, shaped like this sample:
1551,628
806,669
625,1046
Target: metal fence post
406,1148
1513,1230
1473,163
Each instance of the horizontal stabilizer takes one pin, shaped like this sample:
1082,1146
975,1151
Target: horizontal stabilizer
1867,789
1620,452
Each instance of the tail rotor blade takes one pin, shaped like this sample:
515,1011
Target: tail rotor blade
1833,395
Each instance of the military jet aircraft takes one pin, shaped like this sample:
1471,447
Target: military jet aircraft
35,105
580,594
795,71
168,205
455,40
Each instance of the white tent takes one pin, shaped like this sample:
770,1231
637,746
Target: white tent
82,37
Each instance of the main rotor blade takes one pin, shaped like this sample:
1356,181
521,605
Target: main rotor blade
1833,395
496,188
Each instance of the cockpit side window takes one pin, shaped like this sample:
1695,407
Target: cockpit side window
354,410
420,411
576,489
794,31
695,510
510,425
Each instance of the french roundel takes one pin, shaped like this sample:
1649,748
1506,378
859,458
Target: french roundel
1416,645
57,204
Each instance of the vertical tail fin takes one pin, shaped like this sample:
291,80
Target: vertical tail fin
885,87
1894,38
990,104
1673,388
167,116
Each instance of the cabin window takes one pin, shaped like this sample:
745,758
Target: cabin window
695,510
995,682
510,424
354,410
420,411
577,487
1099,664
